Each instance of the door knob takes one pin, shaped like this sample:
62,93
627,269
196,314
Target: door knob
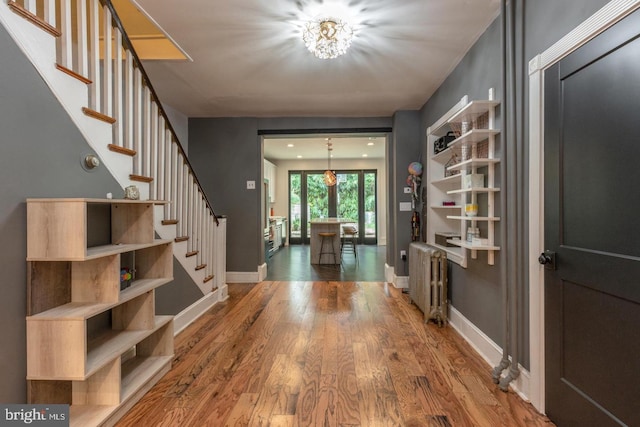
548,259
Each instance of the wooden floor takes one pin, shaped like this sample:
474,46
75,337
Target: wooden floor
329,354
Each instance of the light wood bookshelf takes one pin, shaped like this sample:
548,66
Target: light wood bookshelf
91,344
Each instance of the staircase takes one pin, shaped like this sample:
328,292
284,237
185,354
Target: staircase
107,93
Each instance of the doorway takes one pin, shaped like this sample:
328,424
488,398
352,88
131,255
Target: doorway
353,197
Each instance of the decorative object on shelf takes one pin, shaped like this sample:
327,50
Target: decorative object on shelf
472,233
131,193
329,176
454,160
473,180
442,143
327,37
443,236
125,278
471,209
448,203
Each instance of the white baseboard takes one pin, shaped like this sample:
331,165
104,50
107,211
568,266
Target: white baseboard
401,282
389,273
243,277
195,310
262,272
487,349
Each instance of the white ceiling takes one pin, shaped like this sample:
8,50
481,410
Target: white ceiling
248,58
343,147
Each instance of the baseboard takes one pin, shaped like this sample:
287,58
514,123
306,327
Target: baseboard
262,272
195,310
389,273
243,277
487,349
401,282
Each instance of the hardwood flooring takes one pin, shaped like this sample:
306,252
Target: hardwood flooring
325,353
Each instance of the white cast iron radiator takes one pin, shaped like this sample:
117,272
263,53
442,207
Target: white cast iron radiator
428,281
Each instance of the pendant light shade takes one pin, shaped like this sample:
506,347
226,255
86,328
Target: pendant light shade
329,176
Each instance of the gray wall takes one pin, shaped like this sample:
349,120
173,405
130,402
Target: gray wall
180,124
406,148
40,157
475,291
226,153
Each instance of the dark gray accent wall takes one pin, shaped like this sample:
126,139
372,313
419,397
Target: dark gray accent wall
406,148
475,291
179,294
227,152
180,124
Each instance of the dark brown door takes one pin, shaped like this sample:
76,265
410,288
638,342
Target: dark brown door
592,224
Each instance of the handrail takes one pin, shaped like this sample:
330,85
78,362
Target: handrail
127,43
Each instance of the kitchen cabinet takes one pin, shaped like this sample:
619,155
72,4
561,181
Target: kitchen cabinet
270,174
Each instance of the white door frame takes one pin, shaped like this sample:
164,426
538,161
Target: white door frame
611,13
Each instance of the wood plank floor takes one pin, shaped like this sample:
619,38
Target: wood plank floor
329,354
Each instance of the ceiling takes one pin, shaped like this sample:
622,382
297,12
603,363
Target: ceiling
309,148
248,58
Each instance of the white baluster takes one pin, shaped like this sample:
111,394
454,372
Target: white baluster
137,120
146,132
31,6
128,100
107,64
189,214
174,178
167,173
82,38
185,199
179,192
50,12
66,40
153,151
94,55
118,91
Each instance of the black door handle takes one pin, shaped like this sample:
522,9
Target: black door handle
548,259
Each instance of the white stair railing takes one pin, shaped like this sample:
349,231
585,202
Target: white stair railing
98,52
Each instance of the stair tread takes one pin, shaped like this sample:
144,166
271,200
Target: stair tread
34,19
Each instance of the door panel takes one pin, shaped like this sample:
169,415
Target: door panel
592,299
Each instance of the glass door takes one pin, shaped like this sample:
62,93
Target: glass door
354,197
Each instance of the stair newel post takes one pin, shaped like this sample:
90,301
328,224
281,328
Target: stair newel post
65,49
211,256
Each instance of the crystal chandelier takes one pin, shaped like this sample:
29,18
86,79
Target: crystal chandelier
329,176
327,38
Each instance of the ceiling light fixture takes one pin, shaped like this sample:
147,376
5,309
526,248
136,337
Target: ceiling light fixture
327,37
329,176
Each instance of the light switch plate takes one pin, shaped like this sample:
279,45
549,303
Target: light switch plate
407,190
405,206
251,185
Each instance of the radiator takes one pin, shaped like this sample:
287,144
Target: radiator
428,281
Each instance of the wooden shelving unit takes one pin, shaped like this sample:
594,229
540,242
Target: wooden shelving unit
91,344
446,174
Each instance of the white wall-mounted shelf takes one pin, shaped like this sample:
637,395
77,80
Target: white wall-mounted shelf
478,117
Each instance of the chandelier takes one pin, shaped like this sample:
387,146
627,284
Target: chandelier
327,38
329,176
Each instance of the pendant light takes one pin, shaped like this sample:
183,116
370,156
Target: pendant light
329,176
